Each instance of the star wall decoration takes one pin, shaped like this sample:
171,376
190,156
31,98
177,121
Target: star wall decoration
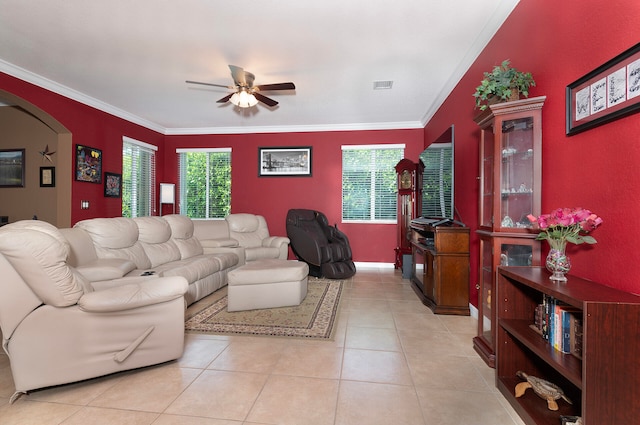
46,154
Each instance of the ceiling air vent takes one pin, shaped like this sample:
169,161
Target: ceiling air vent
382,85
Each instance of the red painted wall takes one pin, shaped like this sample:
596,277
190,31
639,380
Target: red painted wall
90,127
272,197
268,196
559,42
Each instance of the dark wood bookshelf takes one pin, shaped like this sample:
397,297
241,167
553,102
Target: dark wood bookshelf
603,384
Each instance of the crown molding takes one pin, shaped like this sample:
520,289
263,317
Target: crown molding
62,90
70,93
297,128
498,17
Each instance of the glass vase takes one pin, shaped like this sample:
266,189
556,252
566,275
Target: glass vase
557,261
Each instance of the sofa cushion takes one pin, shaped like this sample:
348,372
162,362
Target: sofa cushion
182,235
116,237
226,260
211,229
54,282
192,269
155,239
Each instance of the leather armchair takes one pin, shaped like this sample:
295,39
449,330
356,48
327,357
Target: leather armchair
252,234
57,329
323,247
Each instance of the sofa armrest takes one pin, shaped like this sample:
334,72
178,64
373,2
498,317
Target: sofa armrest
275,241
219,243
134,295
106,268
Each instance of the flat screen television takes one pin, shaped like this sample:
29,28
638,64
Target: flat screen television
438,177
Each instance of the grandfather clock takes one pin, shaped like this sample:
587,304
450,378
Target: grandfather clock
409,204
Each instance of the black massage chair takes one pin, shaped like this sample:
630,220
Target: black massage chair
323,247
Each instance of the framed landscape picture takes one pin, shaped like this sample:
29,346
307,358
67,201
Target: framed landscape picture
290,161
88,164
112,185
12,167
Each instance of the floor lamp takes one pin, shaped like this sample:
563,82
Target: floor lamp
167,195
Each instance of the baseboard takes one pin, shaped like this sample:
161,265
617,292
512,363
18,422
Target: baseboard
473,311
365,265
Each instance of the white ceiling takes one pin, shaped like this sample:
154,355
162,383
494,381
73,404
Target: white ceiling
131,58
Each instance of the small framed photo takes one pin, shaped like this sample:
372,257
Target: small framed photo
88,164
290,161
47,176
12,167
569,420
112,185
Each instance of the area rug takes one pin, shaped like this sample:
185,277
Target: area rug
314,318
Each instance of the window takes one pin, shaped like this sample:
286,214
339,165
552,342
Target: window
205,182
369,192
437,186
138,178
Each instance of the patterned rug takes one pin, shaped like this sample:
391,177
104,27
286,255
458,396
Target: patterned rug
314,318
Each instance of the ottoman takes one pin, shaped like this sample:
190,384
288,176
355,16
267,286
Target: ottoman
267,284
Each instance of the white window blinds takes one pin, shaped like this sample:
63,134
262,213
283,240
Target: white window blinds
138,178
369,191
205,182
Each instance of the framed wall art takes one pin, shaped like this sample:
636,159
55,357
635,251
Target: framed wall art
607,93
12,167
47,176
112,185
88,164
284,161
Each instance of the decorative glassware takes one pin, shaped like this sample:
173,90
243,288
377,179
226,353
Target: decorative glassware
557,261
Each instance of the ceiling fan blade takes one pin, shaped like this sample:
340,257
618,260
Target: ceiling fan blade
249,78
277,86
208,84
264,99
225,99
238,75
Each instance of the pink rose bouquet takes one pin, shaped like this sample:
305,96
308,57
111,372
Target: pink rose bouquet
568,225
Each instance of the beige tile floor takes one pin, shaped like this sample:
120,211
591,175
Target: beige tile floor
392,362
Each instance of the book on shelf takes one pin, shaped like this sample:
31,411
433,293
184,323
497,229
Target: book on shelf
560,325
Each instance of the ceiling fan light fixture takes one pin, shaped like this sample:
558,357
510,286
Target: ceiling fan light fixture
243,99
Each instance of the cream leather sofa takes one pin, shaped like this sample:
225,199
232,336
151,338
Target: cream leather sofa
245,234
58,327
159,246
109,294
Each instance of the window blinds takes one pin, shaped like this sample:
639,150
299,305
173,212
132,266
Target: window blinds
138,178
369,191
205,182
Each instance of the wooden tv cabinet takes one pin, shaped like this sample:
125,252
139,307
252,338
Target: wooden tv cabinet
603,384
440,266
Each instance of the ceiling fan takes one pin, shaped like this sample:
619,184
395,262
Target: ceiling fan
246,94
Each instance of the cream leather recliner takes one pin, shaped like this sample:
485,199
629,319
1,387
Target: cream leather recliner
252,234
57,329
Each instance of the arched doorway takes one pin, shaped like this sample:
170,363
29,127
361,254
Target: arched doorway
60,205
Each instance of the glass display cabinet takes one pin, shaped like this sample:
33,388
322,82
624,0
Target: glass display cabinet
510,190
